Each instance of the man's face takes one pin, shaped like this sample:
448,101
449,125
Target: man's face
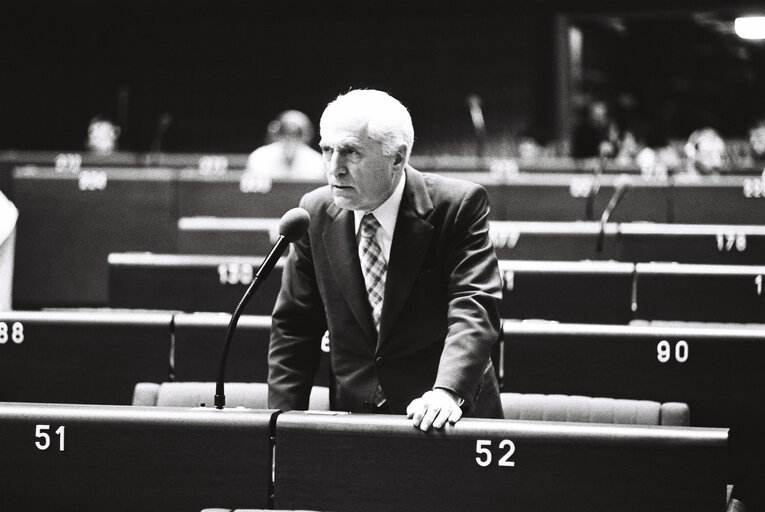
360,175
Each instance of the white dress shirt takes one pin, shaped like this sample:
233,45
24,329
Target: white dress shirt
386,214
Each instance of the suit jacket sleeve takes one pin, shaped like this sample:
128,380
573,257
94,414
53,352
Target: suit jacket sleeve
297,326
474,290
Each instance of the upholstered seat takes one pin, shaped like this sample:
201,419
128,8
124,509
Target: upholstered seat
587,409
252,395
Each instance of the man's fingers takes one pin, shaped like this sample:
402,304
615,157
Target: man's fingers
455,416
412,407
443,415
418,407
430,415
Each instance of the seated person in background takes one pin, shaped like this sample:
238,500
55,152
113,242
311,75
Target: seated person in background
102,135
757,141
596,134
704,152
287,155
398,266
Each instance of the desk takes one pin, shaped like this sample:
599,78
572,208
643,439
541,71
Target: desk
11,159
69,223
361,462
716,371
222,196
189,283
582,291
80,457
81,357
199,343
701,293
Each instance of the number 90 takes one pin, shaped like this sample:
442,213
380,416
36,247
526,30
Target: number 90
664,352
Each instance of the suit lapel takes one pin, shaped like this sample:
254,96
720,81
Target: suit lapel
411,241
343,257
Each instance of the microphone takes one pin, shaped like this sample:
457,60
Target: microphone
605,151
479,125
163,123
670,195
623,183
292,227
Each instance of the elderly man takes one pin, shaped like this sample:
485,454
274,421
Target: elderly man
399,268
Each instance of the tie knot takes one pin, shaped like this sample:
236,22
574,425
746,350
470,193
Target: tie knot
369,225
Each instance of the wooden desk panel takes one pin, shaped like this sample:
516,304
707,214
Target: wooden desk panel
80,457
84,357
189,283
221,196
716,371
199,344
69,223
701,293
581,291
361,462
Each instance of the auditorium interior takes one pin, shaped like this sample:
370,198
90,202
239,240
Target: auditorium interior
622,147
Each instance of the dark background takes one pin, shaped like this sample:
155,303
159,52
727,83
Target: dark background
224,69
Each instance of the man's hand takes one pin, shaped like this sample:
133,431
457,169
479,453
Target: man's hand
434,408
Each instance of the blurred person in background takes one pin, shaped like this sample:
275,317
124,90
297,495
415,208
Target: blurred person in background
704,152
596,134
102,135
757,141
8,216
287,153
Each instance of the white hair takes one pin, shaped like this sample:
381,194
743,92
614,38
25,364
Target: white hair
387,120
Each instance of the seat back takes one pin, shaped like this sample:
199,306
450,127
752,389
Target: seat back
585,409
252,395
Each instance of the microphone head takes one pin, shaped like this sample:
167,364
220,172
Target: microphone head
294,224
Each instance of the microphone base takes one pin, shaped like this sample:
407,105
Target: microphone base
220,401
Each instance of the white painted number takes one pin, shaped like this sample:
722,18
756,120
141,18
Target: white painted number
255,183
16,333
92,180
484,456
235,273
43,442
325,342
510,451
68,162
213,165
754,188
727,241
664,351
758,284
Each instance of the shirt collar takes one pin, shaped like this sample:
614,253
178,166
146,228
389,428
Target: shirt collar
387,213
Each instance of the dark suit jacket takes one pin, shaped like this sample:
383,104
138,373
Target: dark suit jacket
440,313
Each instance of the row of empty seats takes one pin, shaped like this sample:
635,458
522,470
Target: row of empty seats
559,241
97,357
573,291
70,221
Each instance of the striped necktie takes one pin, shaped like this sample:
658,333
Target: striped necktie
373,266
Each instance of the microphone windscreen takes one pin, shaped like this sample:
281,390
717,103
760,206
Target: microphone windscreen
294,224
